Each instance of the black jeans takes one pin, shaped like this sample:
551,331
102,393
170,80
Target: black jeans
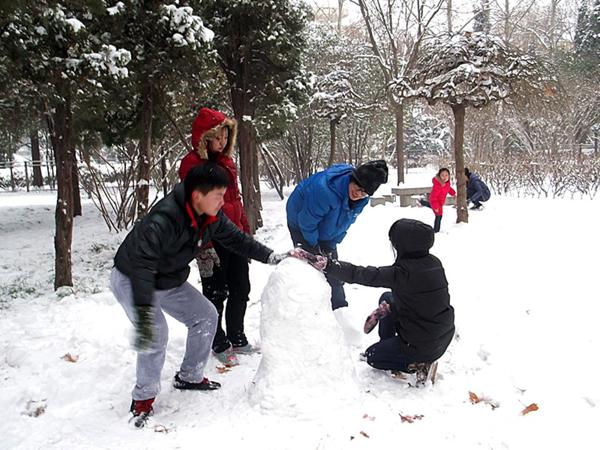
386,354
437,223
230,282
338,296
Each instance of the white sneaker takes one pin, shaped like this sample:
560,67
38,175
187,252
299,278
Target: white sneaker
352,334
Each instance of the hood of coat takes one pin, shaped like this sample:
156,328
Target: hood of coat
411,238
438,180
207,125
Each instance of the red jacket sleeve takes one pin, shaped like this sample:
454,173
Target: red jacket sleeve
451,191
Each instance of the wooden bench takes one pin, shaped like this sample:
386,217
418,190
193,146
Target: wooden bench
407,199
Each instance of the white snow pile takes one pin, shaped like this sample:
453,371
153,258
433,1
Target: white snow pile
306,367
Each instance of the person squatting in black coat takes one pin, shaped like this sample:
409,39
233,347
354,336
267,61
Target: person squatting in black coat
416,320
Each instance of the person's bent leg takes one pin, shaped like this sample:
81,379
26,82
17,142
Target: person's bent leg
387,327
215,290
386,355
150,362
187,305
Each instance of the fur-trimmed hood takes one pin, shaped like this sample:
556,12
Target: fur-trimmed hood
207,125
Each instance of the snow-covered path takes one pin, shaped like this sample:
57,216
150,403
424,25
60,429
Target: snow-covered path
522,278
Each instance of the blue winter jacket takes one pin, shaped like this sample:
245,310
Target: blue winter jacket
477,190
319,206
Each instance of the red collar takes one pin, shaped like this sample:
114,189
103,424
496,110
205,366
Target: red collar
209,219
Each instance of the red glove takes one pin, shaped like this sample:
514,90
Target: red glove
319,262
374,318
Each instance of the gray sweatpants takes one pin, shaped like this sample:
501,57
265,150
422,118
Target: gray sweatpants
184,303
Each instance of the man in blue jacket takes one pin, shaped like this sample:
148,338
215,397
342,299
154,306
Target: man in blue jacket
477,190
323,206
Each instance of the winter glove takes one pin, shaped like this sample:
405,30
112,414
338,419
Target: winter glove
276,258
207,260
319,262
144,324
374,318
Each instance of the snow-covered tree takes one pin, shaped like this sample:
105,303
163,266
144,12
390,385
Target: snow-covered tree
260,44
51,54
395,30
587,33
471,70
334,99
169,45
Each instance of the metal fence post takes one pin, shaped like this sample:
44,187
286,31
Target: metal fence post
12,175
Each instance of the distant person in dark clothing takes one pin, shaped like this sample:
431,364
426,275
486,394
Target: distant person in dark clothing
416,320
477,190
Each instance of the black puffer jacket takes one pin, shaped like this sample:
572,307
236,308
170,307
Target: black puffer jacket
158,250
421,302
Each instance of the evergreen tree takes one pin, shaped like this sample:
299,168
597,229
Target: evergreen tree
50,52
260,45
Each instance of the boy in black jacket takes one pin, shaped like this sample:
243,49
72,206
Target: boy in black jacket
150,273
416,318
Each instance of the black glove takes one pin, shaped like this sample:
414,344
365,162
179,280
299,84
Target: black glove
144,324
315,250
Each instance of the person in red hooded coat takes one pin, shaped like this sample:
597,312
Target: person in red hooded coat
224,274
441,188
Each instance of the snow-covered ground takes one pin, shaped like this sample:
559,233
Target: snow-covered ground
522,279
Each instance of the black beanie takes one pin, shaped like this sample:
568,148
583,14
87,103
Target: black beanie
370,175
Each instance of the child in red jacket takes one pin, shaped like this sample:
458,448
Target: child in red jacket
441,188
224,274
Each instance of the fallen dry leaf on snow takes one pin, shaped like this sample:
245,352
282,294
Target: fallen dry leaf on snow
411,419
368,417
530,408
365,434
473,397
70,358
223,369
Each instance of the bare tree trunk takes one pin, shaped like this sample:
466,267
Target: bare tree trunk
59,125
247,145
339,21
332,142
145,157
36,159
399,113
459,159
77,211
449,14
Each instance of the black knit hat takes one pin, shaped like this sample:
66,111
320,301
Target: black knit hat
370,175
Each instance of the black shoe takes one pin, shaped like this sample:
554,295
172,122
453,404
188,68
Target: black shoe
204,385
238,339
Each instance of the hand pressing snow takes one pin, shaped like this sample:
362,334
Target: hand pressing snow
319,262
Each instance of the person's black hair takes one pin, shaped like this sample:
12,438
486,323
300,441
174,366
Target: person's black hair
467,172
443,169
205,178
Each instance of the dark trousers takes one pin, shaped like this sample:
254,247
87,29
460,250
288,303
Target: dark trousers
437,223
387,354
230,282
338,296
